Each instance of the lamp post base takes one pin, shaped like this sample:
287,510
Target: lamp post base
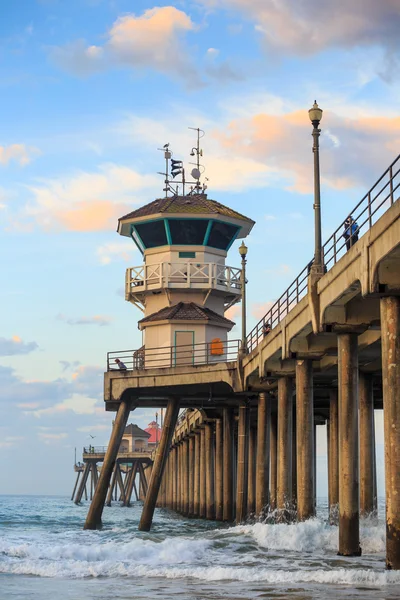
317,270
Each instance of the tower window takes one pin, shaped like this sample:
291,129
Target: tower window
189,232
221,235
152,234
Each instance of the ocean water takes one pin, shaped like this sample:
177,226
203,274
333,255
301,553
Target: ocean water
45,554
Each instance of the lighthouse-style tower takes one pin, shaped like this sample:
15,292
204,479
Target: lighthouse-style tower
184,286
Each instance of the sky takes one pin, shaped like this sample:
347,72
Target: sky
90,89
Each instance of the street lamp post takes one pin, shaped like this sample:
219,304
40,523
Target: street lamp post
243,253
315,114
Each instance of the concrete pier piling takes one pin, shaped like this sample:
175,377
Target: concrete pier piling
333,457
219,469
367,445
210,498
263,452
171,416
191,476
251,499
196,495
273,461
305,439
202,512
93,519
242,463
228,434
185,476
390,327
284,474
349,526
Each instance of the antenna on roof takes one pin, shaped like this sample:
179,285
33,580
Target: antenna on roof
173,168
167,156
197,172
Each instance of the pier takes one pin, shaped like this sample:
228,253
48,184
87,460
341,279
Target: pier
327,352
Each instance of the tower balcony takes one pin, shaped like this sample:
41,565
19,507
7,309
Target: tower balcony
183,275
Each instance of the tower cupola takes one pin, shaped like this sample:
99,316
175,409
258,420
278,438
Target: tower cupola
184,286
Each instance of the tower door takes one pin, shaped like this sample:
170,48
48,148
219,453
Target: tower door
184,348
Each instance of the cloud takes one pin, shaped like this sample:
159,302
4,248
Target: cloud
258,310
10,440
280,271
108,253
20,153
284,143
101,320
233,312
49,438
66,365
13,346
90,428
311,26
78,404
85,201
152,40
32,396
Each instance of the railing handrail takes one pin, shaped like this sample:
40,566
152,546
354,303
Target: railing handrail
168,356
253,338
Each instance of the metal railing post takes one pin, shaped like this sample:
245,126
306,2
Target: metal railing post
391,184
369,210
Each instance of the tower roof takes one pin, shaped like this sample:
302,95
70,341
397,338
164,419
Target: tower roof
193,205
187,311
155,432
136,431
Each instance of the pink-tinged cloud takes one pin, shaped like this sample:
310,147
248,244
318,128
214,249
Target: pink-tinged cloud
19,153
310,26
351,149
99,215
86,201
101,320
151,40
258,310
233,312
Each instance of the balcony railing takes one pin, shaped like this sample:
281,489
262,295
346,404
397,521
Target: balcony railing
183,275
103,449
371,207
207,353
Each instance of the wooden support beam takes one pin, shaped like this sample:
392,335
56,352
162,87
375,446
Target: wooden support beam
82,486
111,487
171,416
76,484
131,484
93,519
120,483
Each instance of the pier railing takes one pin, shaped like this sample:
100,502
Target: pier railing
103,450
371,207
183,275
207,353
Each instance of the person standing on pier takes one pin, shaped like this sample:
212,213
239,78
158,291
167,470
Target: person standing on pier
350,232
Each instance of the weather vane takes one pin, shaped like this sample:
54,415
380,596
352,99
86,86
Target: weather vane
174,167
